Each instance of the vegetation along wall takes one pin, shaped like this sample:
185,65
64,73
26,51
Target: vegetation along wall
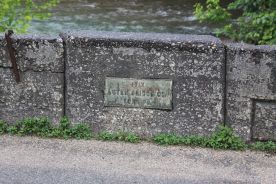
143,83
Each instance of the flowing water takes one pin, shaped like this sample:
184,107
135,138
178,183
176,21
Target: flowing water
171,16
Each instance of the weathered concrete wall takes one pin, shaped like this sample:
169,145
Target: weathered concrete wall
40,92
211,82
195,64
251,90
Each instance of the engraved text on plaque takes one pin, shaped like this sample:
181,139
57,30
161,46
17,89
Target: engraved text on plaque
139,93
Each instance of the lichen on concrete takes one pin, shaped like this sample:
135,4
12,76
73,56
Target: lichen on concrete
41,91
194,64
250,78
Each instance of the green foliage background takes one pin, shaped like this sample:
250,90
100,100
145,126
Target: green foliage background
255,24
16,15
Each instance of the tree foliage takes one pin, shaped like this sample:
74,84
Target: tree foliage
255,24
17,14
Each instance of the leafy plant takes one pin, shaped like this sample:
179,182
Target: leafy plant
64,123
264,146
118,136
12,130
64,128
105,136
130,137
168,139
172,139
195,140
66,131
3,127
17,14
81,131
42,127
56,133
255,22
33,126
224,138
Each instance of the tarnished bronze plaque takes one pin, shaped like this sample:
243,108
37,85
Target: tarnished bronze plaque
138,93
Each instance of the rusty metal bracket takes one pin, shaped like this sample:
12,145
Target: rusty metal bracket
8,38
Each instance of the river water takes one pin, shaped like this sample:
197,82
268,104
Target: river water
170,16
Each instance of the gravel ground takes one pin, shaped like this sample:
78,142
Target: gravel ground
34,160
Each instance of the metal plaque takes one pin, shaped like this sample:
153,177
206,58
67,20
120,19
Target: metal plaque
138,93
